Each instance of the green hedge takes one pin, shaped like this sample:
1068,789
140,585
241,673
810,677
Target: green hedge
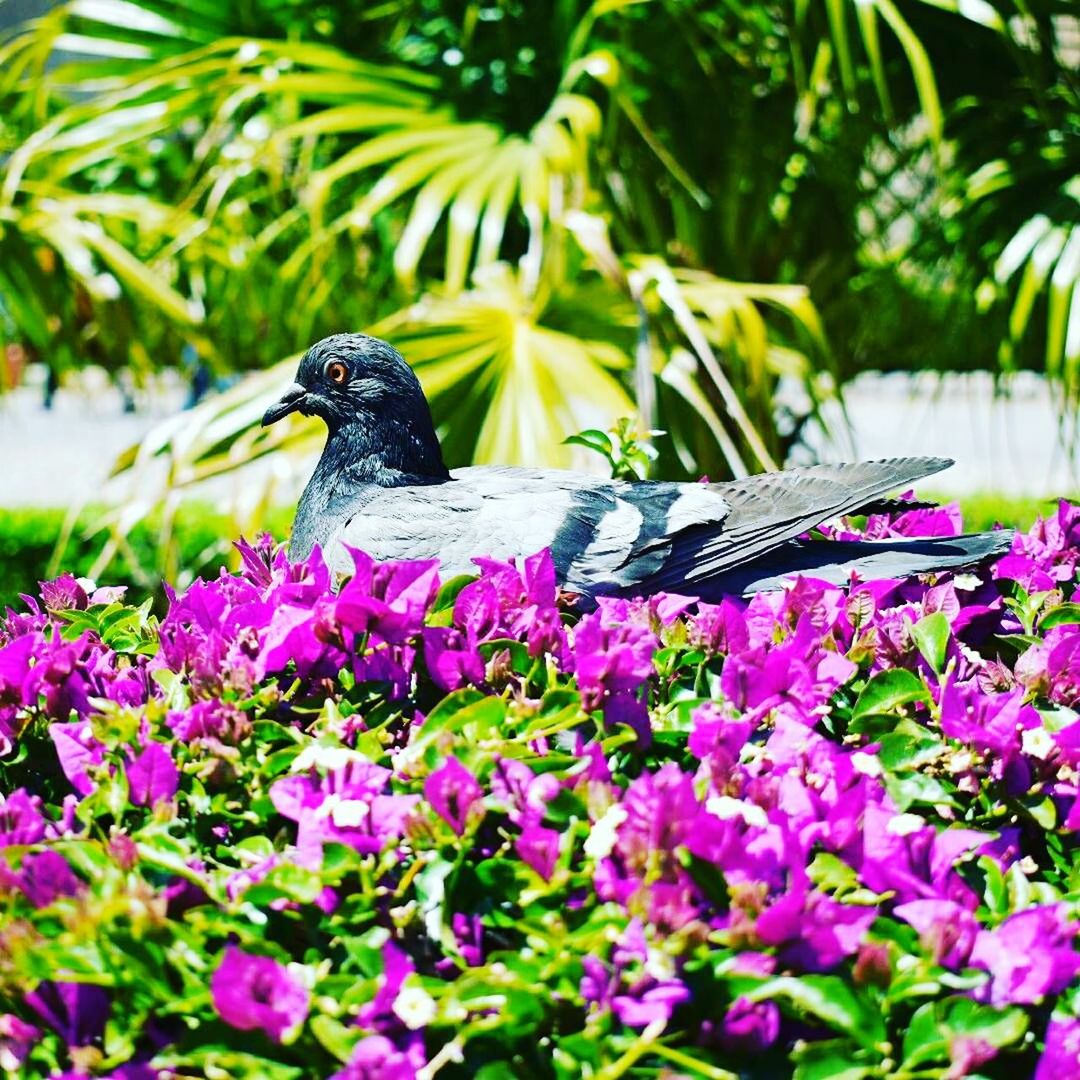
28,537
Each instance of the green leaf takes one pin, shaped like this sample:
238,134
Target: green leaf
1062,615
828,998
831,1059
593,439
995,890
935,1026
908,746
335,1037
908,788
887,691
931,635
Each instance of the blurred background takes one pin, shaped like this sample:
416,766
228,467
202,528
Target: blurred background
771,232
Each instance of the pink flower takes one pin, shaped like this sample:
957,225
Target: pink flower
152,776
1028,956
251,992
1061,1058
453,791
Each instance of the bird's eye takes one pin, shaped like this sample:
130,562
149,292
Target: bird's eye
336,372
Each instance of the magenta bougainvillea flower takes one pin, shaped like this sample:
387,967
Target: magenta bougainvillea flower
453,791
393,823
152,776
1029,956
256,992
76,1011
1061,1057
349,805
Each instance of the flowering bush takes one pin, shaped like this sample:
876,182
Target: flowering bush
418,828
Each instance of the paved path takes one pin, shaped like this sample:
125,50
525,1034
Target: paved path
1009,445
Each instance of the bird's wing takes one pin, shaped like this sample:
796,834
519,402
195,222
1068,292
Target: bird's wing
596,528
606,535
772,508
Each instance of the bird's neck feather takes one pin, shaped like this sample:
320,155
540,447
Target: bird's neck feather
383,452
390,451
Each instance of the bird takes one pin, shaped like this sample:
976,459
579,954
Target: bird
381,485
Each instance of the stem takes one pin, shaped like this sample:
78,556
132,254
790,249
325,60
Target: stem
638,1049
702,1068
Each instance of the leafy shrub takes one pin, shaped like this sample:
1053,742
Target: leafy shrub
28,539
416,827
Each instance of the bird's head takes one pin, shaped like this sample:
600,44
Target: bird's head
349,377
372,403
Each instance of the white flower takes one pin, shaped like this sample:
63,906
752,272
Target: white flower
328,758
904,825
725,807
1037,743
414,1007
601,839
867,764
659,965
350,813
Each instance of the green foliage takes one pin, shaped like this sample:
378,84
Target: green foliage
558,212
29,537
628,455
283,831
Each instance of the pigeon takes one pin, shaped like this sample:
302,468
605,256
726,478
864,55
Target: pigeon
381,485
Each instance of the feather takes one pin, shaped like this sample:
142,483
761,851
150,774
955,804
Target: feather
381,486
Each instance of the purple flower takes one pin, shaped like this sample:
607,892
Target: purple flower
905,855
611,657
76,1011
648,1006
749,1026
42,877
1061,1058
152,776
63,594
379,1012
524,794
14,667
721,628
813,931
252,992
213,719
78,751
1028,956
477,610
946,930
308,637
21,820
378,1058
452,658
796,677
211,634
992,723
17,1039
718,739
387,601
539,847
348,805
59,677
453,791
1063,671
469,932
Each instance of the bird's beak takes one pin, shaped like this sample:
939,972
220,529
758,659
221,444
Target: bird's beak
291,400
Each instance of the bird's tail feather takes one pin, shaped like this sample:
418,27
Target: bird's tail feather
837,561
